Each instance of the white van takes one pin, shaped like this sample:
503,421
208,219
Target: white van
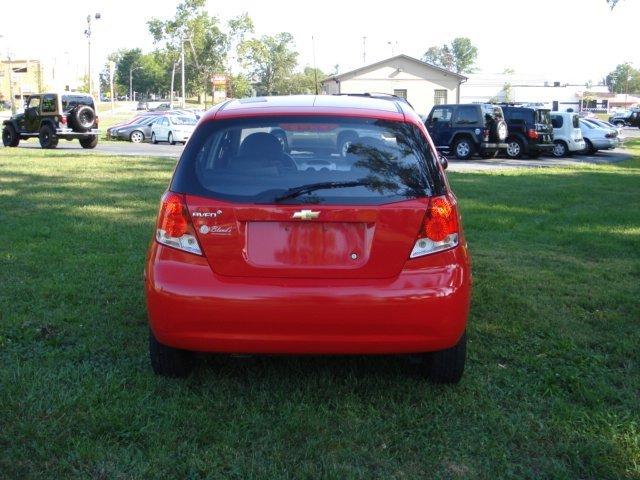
567,136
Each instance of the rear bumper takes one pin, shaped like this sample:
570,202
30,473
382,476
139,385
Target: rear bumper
541,147
605,144
493,147
424,308
68,132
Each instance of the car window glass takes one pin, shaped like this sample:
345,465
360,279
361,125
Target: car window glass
576,121
557,121
465,115
441,114
48,104
391,160
34,102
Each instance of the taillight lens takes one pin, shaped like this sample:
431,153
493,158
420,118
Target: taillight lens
63,119
439,229
485,134
532,134
174,227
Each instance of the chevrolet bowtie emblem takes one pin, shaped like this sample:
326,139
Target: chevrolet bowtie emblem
306,215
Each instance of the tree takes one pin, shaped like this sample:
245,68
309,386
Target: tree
612,3
624,79
458,56
239,86
305,82
207,43
270,60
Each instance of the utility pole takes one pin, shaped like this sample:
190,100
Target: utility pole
364,50
112,68
315,70
131,92
182,102
87,32
13,100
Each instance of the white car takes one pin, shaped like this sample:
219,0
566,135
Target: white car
172,129
567,135
598,138
606,125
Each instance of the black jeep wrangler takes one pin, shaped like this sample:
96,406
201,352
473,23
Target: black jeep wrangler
51,117
630,118
465,129
530,131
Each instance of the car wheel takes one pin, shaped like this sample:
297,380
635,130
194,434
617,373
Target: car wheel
10,137
136,136
463,149
514,148
154,140
168,361
170,139
447,366
345,139
89,142
589,147
47,137
560,149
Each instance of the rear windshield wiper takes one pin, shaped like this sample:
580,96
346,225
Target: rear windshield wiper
311,187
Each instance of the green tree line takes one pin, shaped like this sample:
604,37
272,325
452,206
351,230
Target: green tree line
269,62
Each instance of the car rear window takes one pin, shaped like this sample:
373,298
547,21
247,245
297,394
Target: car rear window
543,116
357,161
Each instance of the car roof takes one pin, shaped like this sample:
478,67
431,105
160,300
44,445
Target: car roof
339,105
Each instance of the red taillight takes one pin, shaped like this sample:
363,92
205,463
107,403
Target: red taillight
63,119
532,134
174,227
485,134
439,229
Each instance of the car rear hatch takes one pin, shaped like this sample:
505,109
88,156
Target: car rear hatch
543,127
260,211
298,241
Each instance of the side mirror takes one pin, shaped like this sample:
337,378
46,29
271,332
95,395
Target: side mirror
444,162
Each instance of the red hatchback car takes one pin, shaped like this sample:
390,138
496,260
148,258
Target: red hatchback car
309,225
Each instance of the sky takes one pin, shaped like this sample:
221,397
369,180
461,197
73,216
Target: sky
564,40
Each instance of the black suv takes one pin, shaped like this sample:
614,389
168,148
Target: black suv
465,129
626,119
51,117
530,131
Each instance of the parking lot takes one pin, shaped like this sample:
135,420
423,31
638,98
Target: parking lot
122,148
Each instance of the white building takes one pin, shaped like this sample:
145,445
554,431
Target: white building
422,84
554,94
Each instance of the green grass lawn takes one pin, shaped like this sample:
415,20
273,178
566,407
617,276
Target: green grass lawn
552,389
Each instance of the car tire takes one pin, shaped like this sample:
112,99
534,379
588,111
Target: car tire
170,139
81,118
589,148
168,361
560,149
463,148
47,137
447,366
154,140
89,142
515,148
344,141
10,137
136,136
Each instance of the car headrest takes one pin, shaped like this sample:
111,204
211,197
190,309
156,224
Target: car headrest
261,144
